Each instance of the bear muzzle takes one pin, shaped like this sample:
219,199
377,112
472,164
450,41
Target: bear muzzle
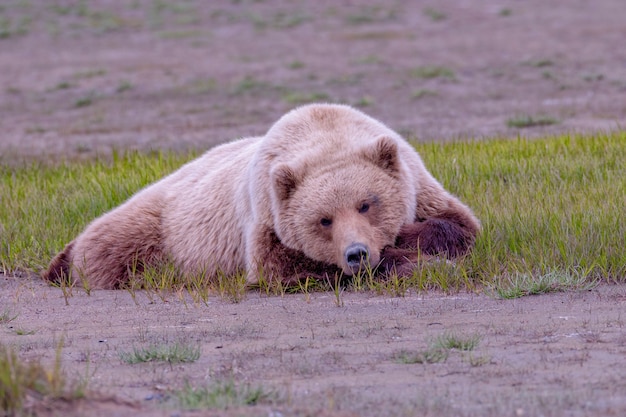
356,257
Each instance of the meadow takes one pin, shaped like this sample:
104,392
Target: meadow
552,210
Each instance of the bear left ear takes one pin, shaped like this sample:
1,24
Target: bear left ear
385,155
285,181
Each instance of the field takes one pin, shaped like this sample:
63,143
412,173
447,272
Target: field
517,107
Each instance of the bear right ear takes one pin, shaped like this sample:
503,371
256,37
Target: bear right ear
285,181
385,155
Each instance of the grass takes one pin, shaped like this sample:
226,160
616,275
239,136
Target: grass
7,316
434,14
20,380
439,349
221,395
430,355
423,93
551,209
449,341
429,72
520,285
178,352
530,121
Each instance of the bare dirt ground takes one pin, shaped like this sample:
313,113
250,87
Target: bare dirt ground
80,79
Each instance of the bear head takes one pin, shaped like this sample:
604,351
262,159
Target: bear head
342,211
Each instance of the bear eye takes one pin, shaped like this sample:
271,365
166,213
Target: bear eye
364,208
326,222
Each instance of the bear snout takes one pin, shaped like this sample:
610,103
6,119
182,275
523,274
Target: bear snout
356,256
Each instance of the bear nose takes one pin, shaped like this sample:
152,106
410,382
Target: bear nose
356,255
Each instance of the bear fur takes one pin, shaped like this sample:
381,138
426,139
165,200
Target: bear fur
327,190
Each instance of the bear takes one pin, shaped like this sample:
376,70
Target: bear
327,190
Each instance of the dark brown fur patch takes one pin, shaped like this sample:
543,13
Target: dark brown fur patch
293,266
451,234
59,269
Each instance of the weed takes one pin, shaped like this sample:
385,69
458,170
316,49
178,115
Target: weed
478,360
177,352
123,86
540,63
302,98
428,72
221,395
23,332
250,84
364,101
7,316
19,380
593,77
232,287
85,101
530,121
91,73
63,86
371,14
521,284
337,290
423,93
9,28
278,20
450,341
439,349
434,14
430,355
296,65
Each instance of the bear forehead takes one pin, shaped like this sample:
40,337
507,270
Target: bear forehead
347,186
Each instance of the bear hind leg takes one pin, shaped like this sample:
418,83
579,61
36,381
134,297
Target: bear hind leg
59,270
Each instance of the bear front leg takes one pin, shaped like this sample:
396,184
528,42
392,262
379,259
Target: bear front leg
274,262
451,233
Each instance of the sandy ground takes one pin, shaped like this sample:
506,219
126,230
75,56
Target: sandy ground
80,79
558,354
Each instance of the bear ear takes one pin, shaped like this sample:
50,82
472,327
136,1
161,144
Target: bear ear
385,155
285,181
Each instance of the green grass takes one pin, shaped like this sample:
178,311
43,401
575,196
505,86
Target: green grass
530,121
430,355
449,341
439,349
22,383
221,395
520,285
428,72
7,316
178,352
548,206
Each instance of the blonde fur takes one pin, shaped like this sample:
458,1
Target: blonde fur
221,211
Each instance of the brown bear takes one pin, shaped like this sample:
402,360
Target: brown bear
327,189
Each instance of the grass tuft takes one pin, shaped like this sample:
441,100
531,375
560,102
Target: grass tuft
448,341
520,285
433,72
21,380
530,121
178,352
7,316
430,355
221,395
